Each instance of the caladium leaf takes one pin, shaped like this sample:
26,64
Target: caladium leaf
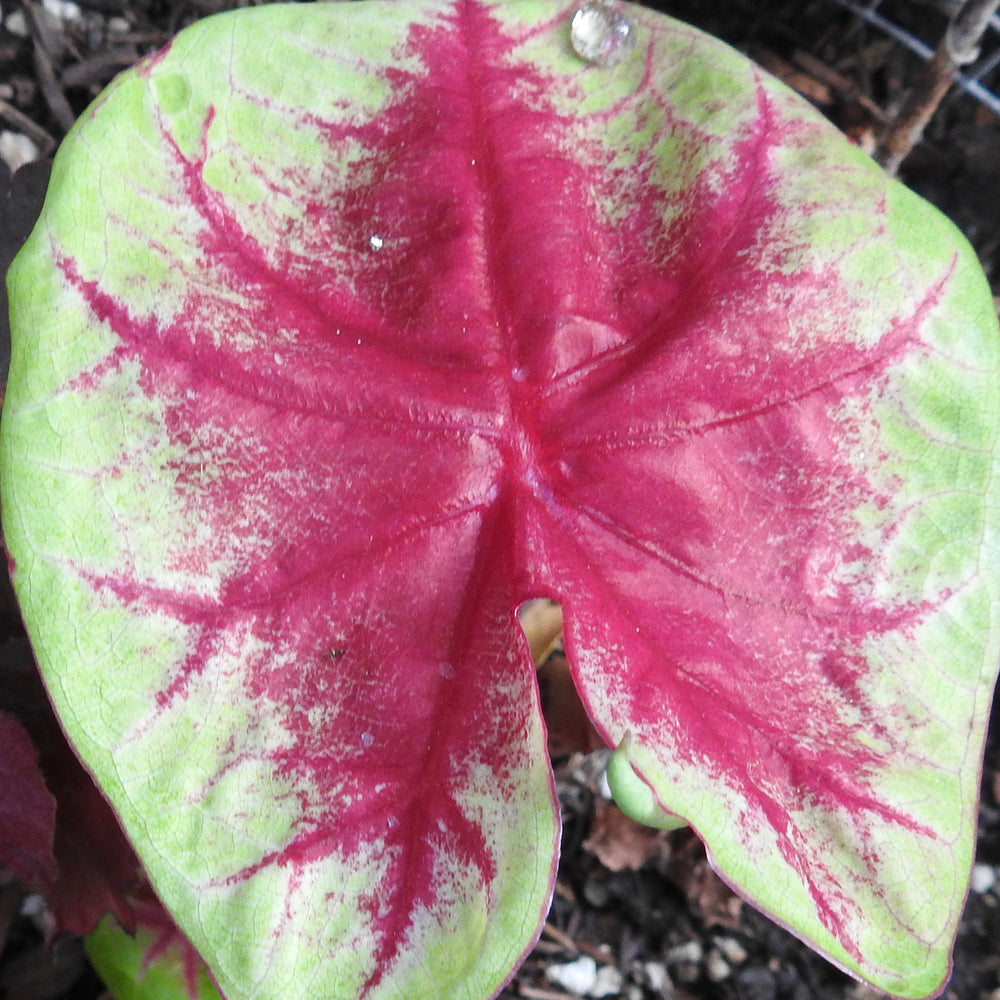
156,962
346,329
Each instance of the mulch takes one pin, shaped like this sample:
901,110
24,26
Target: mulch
636,913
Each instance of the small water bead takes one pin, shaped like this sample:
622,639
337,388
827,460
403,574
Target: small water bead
376,242
601,33
367,739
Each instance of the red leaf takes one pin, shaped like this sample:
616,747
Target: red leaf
93,867
27,810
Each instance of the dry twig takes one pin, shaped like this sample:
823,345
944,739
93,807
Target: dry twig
52,92
18,119
534,993
958,47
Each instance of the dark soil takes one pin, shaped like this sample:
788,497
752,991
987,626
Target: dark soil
636,914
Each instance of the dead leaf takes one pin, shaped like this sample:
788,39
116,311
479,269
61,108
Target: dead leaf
621,844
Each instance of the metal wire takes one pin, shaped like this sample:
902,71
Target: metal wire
970,84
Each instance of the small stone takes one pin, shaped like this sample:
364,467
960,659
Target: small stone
685,960
609,982
687,951
717,967
655,975
984,877
17,24
731,950
17,149
63,10
601,33
578,976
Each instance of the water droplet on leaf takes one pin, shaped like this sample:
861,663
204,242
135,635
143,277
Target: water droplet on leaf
376,242
367,739
601,33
